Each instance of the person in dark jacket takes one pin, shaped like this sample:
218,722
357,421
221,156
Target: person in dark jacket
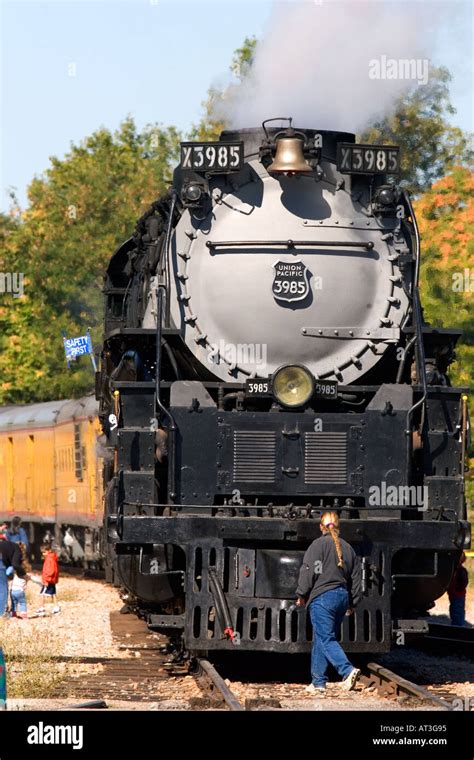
457,593
10,556
330,585
17,533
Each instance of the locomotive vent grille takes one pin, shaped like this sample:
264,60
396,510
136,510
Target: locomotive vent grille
325,458
254,456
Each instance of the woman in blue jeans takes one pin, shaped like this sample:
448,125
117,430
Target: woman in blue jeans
329,584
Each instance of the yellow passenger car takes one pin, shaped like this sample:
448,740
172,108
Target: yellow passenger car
50,473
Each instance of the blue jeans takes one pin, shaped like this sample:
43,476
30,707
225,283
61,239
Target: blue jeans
3,588
327,613
457,610
18,602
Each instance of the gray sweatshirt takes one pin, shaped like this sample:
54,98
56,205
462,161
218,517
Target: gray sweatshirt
320,572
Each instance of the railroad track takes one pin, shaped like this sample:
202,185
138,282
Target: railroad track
138,676
389,684
219,691
147,674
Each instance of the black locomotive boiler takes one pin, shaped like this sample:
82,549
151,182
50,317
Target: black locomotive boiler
265,358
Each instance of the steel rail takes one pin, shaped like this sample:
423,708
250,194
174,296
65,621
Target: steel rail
228,696
404,686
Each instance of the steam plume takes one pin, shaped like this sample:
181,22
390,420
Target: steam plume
315,59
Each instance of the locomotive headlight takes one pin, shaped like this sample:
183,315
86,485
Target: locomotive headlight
386,196
193,192
293,385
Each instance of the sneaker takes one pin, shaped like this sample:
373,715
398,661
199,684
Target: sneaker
350,681
316,691
56,609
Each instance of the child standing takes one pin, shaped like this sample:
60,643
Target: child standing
49,577
18,588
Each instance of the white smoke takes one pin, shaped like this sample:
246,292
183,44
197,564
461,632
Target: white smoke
315,60
102,450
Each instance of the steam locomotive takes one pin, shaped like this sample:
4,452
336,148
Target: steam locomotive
266,358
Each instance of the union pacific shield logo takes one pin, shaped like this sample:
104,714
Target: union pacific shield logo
290,282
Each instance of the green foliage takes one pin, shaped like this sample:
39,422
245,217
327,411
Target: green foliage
87,203
243,58
79,211
430,145
211,125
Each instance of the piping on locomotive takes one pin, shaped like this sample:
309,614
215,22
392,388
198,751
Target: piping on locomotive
265,359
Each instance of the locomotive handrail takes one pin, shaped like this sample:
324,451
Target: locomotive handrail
418,326
417,237
172,428
288,244
166,261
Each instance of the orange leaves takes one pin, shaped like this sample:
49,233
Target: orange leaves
446,183
445,249
438,201
446,220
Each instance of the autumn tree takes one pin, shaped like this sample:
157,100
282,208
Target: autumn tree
445,215
79,211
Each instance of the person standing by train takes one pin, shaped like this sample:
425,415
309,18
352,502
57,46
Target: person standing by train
330,586
10,556
49,577
457,593
16,533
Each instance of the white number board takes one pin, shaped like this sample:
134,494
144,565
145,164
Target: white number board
212,157
367,159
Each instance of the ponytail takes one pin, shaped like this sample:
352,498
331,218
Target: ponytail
330,521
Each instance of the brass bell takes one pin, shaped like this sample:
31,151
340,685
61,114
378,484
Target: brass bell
289,157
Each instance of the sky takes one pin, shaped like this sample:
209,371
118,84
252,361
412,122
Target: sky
69,67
